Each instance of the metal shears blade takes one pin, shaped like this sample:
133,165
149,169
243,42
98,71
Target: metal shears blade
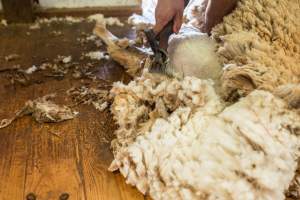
160,58
159,44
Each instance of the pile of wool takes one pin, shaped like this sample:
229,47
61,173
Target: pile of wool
176,141
259,43
137,105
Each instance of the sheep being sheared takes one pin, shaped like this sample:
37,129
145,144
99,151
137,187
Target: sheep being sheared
176,138
190,52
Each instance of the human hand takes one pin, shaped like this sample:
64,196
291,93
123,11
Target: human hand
215,11
167,10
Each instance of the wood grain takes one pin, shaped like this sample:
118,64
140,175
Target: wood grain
12,163
51,159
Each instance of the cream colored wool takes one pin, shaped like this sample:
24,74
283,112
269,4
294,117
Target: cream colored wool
197,151
290,93
260,41
137,105
194,54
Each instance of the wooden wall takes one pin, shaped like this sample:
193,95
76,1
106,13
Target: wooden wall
15,11
19,11
86,3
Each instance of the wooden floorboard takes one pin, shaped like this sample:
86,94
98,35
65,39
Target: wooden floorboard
13,163
51,159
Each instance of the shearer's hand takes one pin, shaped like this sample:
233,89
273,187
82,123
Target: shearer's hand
167,10
215,11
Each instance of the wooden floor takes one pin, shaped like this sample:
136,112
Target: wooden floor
51,159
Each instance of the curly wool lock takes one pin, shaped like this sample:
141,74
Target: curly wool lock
260,42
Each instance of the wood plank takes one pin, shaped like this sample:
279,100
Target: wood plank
96,157
128,192
52,169
13,148
12,162
18,11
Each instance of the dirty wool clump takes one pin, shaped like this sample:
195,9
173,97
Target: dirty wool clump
260,44
43,110
176,141
98,97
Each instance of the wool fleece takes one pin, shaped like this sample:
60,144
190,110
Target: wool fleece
177,139
259,43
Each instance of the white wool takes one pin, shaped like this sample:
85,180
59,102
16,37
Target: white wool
100,107
177,140
96,55
30,70
73,20
247,151
3,22
67,59
138,104
34,26
99,18
193,53
67,19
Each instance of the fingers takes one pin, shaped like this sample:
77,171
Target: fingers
177,21
161,22
166,11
